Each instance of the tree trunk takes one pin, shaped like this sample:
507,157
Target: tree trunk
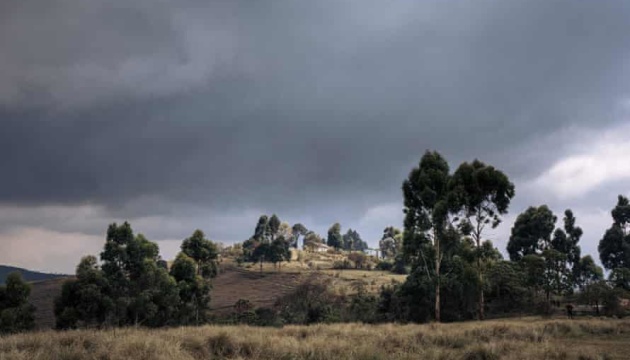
438,260
481,298
477,236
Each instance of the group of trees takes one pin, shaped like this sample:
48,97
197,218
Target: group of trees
551,255
350,241
614,247
445,216
272,241
456,270
16,313
133,286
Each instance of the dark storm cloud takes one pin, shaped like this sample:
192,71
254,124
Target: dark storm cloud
305,108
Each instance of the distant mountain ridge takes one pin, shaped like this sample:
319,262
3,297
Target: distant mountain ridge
28,275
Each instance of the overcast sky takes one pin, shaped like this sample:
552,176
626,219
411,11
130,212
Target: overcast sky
185,114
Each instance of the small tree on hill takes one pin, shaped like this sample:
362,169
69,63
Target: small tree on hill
334,236
203,252
16,314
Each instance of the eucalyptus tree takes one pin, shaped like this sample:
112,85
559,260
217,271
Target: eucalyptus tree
203,251
297,231
426,210
334,238
531,233
480,194
614,247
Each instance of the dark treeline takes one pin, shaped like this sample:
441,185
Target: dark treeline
457,274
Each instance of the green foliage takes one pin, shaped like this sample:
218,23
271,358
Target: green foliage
481,194
16,314
335,239
274,226
311,239
531,233
391,242
311,302
587,272
133,287
86,301
272,241
620,278
426,209
614,247
297,230
203,252
384,266
506,287
262,231
193,290
351,241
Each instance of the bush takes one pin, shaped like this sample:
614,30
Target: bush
267,317
400,268
342,264
384,266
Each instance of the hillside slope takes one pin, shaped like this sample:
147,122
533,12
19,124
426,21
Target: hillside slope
43,294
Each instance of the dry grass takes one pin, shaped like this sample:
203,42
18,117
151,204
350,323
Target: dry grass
42,296
504,339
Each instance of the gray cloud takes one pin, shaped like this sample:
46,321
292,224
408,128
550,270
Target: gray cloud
182,110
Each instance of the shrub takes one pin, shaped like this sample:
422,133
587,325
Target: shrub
342,264
384,266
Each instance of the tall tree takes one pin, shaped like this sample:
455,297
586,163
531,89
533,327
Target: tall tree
588,272
566,242
352,241
262,231
274,226
482,194
564,253
334,236
298,230
531,233
614,247
203,252
426,209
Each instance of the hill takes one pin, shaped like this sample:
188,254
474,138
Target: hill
527,338
245,282
28,275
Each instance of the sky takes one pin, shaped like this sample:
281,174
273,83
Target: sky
185,114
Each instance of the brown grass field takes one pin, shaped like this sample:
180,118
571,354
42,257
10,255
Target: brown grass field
527,338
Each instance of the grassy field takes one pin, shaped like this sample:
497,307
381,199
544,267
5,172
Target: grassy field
527,338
